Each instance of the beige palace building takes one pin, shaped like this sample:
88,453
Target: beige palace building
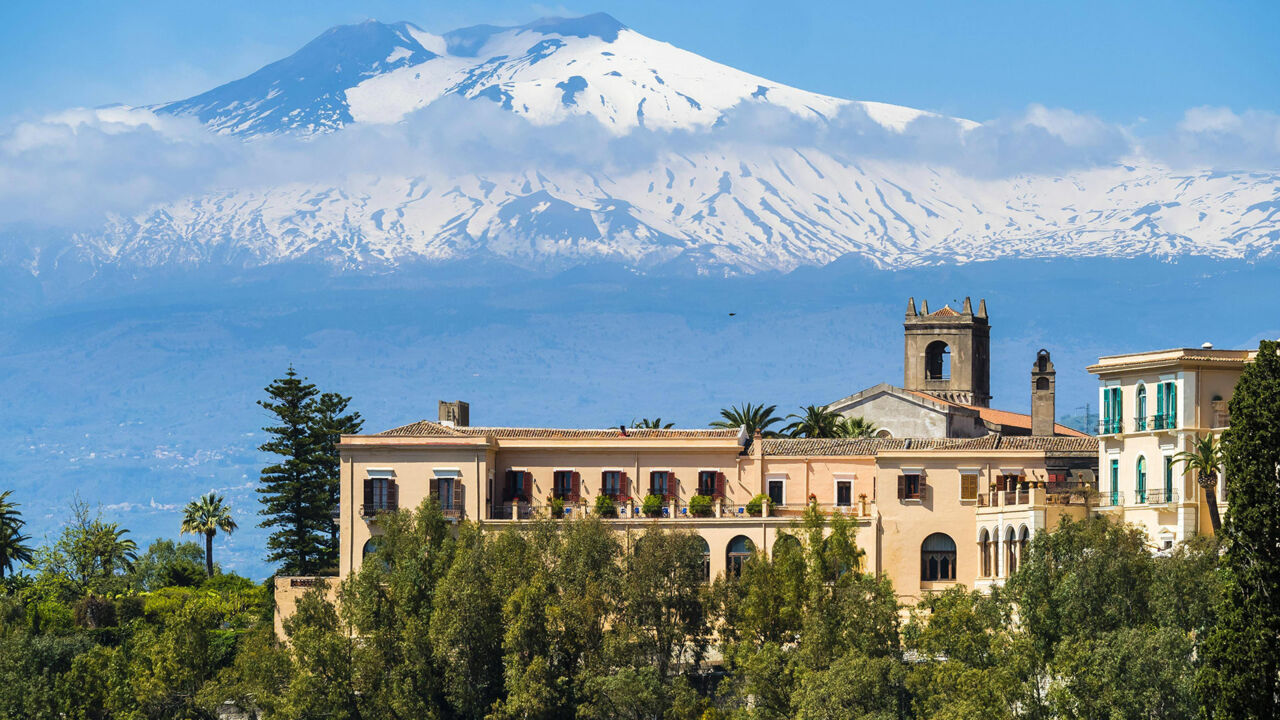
949,491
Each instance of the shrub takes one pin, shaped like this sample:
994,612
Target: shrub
94,612
652,506
758,502
556,506
700,505
605,507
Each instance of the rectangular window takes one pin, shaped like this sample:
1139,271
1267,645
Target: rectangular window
562,484
659,483
519,485
844,493
775,492
911,486
968,486
611,483
379,496
1114,492
446,492
1112,409
707,482
1168,479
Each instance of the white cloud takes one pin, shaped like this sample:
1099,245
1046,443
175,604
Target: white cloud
72,169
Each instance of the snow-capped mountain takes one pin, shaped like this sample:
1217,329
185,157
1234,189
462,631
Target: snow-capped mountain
545,71
728,206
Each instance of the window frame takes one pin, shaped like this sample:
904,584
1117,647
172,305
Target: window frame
781,479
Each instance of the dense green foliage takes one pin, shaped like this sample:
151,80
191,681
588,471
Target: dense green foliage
299,491
1241,676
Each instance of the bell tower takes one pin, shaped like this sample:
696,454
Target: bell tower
948,353
1042,391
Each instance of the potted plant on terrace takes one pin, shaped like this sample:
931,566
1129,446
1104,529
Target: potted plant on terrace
556,506
606,507
700,505
757,503
652,506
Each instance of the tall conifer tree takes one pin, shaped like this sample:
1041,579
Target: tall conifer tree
293,491
330,420
1242,652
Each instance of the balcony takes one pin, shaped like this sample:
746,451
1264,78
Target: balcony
673,511
1110,426
1167,421
1110,499
370,509
1161,496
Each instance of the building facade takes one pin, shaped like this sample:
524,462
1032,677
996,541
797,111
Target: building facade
1154,405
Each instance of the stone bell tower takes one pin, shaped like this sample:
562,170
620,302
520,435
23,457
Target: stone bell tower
948,353
1042,391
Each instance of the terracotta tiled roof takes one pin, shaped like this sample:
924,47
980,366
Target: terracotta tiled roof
1003,417
946,311
831,446
839,447
428,428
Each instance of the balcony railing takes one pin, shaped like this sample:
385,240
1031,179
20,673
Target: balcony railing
1110,499
373,508
452,504
1167,421
1110,426
1161,496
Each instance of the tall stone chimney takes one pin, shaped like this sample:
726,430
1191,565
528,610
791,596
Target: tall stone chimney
455,413
1043,412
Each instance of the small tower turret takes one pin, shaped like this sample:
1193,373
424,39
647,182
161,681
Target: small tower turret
1043,412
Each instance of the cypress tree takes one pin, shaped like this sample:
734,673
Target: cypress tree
1242,652
292,490
330,420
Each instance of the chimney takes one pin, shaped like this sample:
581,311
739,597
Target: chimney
1043,415
456,413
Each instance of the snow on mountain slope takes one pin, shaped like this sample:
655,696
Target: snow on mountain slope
545,71
758,210
727,206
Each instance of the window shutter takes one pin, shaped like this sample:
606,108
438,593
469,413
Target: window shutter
720,483
653,482
368,494
393,496
924,487
902,487
968,487
624,485
575,487
508,487
671,487
435,487
604,483
457,494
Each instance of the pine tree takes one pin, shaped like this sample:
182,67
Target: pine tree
330,421
1242,652
293,492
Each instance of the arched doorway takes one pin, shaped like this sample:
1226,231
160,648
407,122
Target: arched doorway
736,554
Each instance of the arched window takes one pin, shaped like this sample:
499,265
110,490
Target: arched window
740,548
1023,539
984,548
937,361
1042,383
1010,553
1141,479
706,559
1140,421
370,547
938,558
786,545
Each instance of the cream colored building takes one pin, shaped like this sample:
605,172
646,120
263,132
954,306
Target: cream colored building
1154,405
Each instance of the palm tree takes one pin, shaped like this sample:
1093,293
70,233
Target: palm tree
654,424
1204,458
206,516
816,422
753,417
13,544
856,427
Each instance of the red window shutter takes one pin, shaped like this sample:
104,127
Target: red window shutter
575,487
508,487
902,486
924,489
720,482
393,496
368,494
624,486
435,487
671,487
527,486
604,483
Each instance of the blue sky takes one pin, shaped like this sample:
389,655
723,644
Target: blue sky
1141,64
